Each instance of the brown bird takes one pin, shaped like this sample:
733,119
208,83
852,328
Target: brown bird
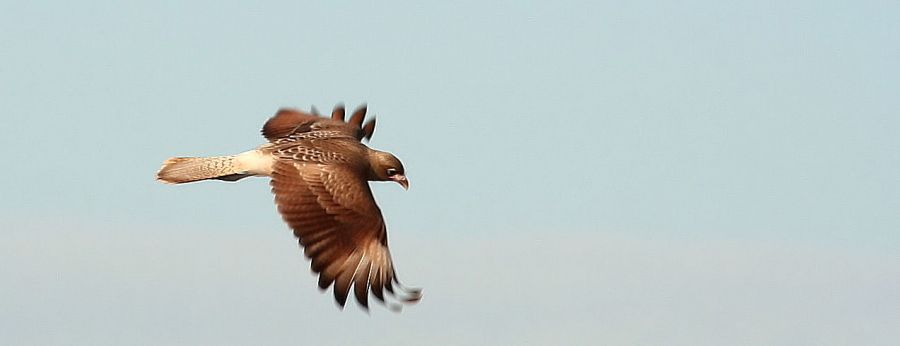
320,172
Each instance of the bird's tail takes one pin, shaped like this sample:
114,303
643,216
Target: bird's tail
179,170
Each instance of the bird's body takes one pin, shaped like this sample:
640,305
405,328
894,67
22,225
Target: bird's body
320,172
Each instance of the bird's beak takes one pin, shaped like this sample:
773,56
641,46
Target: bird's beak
401,179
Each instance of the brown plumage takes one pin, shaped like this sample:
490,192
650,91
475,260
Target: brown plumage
320,172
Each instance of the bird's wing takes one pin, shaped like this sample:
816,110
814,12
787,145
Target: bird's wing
292,123
331,210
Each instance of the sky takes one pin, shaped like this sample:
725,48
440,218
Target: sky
582,173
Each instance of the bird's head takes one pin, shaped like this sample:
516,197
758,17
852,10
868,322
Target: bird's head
386,167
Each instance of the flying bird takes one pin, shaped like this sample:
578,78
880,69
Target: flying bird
319,171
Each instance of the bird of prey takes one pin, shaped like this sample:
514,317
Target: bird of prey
319,171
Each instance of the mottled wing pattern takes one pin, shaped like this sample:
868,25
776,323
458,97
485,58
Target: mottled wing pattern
331,210
356,120
291,123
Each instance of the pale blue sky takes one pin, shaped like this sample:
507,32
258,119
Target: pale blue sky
699,172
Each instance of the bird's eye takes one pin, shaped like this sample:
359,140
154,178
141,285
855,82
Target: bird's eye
391,171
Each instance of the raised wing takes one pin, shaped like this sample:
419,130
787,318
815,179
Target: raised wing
289,122
333,214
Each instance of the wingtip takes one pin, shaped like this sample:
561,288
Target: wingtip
358,116
412,295
340,300
338,112
369,129
324,283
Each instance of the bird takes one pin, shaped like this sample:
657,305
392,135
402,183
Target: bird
319,172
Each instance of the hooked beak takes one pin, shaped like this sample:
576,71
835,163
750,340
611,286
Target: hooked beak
401,179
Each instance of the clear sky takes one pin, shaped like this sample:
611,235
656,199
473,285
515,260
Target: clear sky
641,173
